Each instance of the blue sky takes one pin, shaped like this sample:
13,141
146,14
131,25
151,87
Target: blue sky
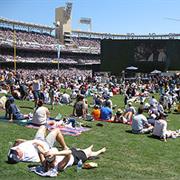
112,16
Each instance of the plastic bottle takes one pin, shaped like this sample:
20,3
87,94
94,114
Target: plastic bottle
79,165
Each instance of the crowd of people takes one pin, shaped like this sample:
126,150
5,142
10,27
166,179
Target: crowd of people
46,88
44,41
10,58
26,39
86,42
26,84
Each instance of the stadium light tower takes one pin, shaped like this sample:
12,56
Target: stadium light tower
87,21
62,25
63,20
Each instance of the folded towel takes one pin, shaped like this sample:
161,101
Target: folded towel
39,170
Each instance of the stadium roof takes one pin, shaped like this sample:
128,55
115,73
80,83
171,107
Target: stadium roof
8,22
25,24
125,36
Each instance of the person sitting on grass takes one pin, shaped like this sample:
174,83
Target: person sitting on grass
119,118
140,123
14,112
65,98
130,108
129,112
106,113
79,108
41,114
160,129
26,151
96,113
107,102
60,160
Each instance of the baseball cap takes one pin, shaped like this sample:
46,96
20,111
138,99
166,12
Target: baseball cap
13,157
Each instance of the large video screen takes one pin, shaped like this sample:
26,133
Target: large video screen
147,55
150,51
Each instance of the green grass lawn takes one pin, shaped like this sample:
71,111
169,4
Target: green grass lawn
128,156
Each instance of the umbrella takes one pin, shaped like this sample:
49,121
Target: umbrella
155,71
131,68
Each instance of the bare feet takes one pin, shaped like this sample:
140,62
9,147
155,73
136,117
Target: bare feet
91,146
103,150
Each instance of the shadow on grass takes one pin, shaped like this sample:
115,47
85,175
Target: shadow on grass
129,131
26,107
32,165
176,113
153,137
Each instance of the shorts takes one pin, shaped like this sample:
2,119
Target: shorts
36,95
78,155
49,139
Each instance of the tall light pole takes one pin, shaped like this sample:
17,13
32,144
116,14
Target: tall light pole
14,42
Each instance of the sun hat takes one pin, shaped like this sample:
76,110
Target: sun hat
119,111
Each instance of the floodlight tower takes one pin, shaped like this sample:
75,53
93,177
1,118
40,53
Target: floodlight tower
87,21
63,21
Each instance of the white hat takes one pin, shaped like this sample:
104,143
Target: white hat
153,116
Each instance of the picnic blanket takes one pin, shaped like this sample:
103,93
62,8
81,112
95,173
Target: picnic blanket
65,129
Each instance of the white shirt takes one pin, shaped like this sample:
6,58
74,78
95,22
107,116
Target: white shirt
40,115
160,108
153,102
36,85
60,158
160,128
65,98
73,95
30,153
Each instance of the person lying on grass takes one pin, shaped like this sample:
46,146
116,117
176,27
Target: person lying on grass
26,150
60,160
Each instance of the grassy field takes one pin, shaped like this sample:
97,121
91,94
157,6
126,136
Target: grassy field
128,156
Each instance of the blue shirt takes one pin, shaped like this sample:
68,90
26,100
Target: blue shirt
106,113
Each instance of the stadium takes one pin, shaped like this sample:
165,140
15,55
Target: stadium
26,44
79,104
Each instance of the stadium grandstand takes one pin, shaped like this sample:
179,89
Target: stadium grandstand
35,43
